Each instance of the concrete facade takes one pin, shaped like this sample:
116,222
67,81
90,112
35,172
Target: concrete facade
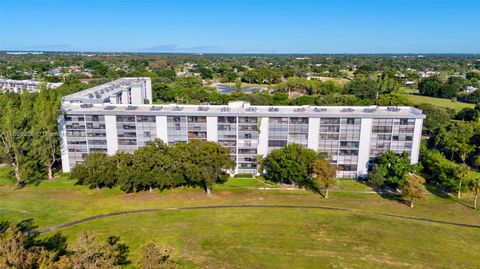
353,136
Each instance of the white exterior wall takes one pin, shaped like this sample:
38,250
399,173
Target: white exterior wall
417,137
63,145
111,134
313,133
212,129
137,95
162,131
148,91
125,97
364,147
262,148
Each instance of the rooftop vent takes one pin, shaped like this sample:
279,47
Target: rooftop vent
177,108
156,108
86,105
318,109
393,108
299,109
349,109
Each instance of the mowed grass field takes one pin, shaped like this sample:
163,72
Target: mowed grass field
416,99
262,237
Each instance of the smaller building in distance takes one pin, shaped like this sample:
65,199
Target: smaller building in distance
119,116
19,86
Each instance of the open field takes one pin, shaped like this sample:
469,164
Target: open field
252,85
262,237
441,102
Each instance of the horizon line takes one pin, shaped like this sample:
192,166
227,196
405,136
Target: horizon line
245,53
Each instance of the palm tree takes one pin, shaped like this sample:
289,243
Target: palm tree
474,186
462,174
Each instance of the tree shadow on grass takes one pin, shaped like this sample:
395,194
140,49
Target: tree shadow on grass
440,192
56,243
315,189
391,195
385,193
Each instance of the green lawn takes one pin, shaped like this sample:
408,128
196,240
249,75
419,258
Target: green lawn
441,102
262,237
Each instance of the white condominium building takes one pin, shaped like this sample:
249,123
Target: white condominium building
19,86
119,116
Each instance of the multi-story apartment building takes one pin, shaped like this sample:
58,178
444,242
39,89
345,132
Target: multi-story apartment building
19,86
119,116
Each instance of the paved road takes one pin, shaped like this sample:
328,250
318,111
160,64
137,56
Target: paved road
73,223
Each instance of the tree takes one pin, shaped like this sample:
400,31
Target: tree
152,165
437,117
16,137
391,169
46,143
439,169
454,139
291,162
87,253
474,187
476,161
364,89
433,86
17,250
155,256
97,171
377,175
323,173
260,163
202,163
462,174
125,172
21,248
413,188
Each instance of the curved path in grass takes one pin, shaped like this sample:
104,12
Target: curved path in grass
102,216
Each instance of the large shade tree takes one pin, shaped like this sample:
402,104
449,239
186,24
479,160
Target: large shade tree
97,171
390,169
290,163
202,163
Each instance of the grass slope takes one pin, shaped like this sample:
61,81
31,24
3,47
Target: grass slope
441,102
262,237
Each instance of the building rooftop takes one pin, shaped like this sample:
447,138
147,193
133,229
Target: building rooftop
97,100
102,93
30,82
240,108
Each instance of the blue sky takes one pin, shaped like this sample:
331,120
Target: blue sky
235,26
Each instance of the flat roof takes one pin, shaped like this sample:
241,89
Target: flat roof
101,93
96,101
245,110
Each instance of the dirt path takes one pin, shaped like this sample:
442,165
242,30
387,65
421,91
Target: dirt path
69,224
